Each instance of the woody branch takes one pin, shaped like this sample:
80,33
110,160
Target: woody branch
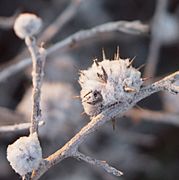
70,149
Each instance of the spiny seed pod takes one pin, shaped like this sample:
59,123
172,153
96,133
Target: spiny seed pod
108,82
27,25
25,154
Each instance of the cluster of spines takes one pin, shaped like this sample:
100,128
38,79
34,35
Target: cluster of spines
103,78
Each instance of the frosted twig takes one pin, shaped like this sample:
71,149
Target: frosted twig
38,56
26,26
60,21
154,116
17,127
71,147
102,164
14,128
133,27
38,61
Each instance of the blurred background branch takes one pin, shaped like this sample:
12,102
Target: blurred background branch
134,28
148,137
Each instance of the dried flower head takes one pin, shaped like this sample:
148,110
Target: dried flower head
25,154
27,25
108,82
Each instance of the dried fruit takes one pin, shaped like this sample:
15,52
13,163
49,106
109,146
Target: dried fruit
108,82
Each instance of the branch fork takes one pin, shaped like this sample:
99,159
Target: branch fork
70,149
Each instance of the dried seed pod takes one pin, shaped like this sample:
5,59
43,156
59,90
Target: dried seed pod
25,154
27,25
108,82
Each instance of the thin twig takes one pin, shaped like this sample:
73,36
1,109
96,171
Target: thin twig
154,116
102,164
14,128
134,28
38,60
71,147
124,152
17,127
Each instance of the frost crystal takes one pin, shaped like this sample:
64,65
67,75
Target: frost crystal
25,154
108,82
27,25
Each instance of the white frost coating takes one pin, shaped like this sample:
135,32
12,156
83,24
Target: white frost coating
108,82
25,154
27,25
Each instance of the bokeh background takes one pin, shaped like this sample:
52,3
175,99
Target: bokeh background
140,147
